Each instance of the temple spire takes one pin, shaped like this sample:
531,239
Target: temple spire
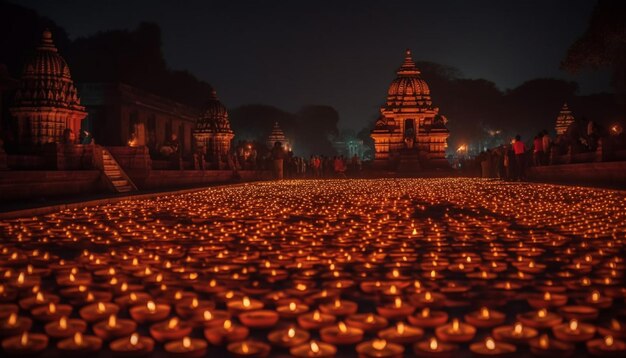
408,66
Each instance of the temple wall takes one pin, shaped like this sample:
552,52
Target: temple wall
163,179
611,174
39,185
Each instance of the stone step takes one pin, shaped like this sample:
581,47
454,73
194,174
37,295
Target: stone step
112,172
124,189
110,167
119,182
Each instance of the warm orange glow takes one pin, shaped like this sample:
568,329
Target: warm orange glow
490,343
172,323
315,348
433,344
63,323
134,339
112,322
24,339
186,342
379,344
151,306
608,341
291,333
78,339
342,327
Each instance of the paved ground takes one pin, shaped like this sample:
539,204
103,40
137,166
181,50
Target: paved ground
451,245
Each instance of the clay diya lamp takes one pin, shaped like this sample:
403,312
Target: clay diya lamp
485,318
150,312
133,299
395,310
401,334
314,349
574,331
50,312
547,300
607,346
210,318
614,329
259,318
39,299
170,330
579,312
65,327
456,332
79,344
367,321
288,337
248,348
133,346
491,348
24,282
315,320
428,299
113,327
433,348
598,301
426,318
339,308
228,332
7,309
341,334
291,310
540,319
546,347
14,325
379,348
517,333
98,311
26,344
186,348
246,304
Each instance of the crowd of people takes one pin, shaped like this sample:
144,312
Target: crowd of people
285,164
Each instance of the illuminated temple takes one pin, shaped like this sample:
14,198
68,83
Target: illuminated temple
410,134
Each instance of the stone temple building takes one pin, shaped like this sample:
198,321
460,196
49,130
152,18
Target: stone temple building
46,105
410,134
213,135
563,120
277,135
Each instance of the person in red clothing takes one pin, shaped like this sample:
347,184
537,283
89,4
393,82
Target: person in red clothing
520,150
538,150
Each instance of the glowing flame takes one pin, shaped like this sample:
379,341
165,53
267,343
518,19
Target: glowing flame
397,302
400,328
542,313
207,315
317,316
455,325
292,306
544,341
608,341
24,339
151,306
425,312
547,296
228,324
63,323
573,325
433,344
245,302
173,323
314,347
518,329
186,342
112,321
484,313
342,327
52,308
428,296
244,348
100,307
78,339
12,320
595,296
291,333
379,344
134,339
490,343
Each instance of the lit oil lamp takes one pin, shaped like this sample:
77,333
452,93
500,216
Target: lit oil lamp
186,348
133,346
292,310
288,337
427,318
228,332
133,299
246,304
433,348
50,312
79,344
114,327
98,311
368,322
39,299
339,307
428,299
607,346
7,309
65,327
170,330
379,348
150,312
614,329
26,344
491,348
456,332
314,349
341,334
514,334
188,308
249,348
401,334
574,331
595,299
14,325
395,310
210,318
547,300
315,320
540,319
259,318
546,347
485,318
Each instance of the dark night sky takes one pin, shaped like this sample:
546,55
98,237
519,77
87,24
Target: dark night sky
344,54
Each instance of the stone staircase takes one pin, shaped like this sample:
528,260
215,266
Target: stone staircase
115,174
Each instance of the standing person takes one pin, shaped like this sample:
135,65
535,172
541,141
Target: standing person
520,149
278,156
546,141
538,150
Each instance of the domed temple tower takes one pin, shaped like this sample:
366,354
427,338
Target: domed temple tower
46,105
563,120
277,135
212,134
409,128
